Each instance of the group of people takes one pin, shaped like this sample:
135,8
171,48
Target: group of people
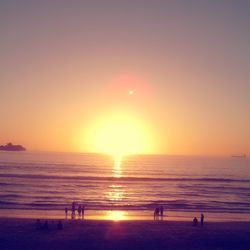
195,220
45,225
80,210
158,213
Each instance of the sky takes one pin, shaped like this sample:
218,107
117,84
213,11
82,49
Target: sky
136,76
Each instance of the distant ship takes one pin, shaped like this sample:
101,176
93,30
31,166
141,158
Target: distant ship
240,156
12,147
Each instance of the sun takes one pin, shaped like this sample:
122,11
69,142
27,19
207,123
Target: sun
119,135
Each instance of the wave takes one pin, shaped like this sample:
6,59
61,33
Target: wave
125,178
170,206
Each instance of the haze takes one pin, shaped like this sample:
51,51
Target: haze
173,76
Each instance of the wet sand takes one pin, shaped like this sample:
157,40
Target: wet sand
123,214
100,234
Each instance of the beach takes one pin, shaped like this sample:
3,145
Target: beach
120,201
107,234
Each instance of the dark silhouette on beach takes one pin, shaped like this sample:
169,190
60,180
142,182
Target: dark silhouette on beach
79,210
202,219
161,212
66,212
156,213
73,210
195,221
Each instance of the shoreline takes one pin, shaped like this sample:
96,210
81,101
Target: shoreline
122,214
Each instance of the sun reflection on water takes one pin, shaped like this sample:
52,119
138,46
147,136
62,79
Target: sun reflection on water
115,193
116,215
117,170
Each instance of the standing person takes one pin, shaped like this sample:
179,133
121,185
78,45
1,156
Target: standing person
156,213
161,212
79,210
73,210
202,219
66,212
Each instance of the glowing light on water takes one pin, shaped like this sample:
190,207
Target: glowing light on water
116,215
115,191
116,194
117,170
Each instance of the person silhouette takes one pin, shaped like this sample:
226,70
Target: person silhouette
79,210
66,212
156,213
195,221
202,219
73,210
161,212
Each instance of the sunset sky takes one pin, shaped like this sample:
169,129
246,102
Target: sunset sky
134,76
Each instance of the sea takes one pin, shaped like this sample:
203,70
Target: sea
43,184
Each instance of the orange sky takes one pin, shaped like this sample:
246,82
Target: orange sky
173,76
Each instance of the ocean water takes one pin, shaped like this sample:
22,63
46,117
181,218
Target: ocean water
51,181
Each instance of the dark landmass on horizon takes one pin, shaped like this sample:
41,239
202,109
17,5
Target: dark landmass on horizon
11,147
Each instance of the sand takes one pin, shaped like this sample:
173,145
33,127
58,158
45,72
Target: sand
94,234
